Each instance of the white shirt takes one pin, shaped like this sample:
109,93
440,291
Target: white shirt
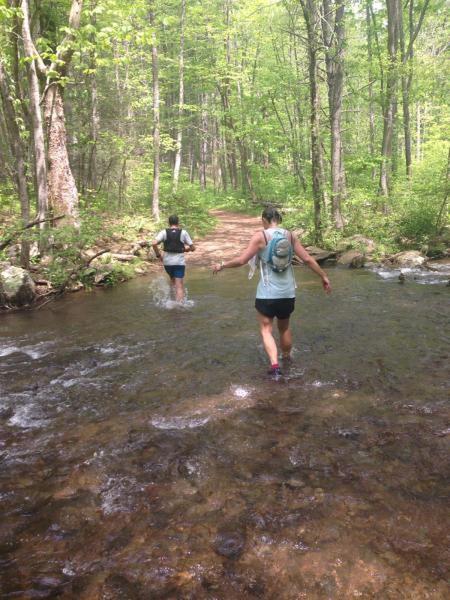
172,258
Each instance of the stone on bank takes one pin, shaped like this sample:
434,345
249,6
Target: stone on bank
17,288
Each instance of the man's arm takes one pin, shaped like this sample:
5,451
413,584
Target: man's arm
155,244
311,263
256,243
187,241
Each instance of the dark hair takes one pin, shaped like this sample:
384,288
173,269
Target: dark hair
173,220
271,214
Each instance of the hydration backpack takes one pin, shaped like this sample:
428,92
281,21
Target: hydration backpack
279,252
173,242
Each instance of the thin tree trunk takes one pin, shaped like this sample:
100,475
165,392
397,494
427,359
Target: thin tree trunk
224,90
177,166
40,163
370,89
310,14
390,99
156,120
439,223
17,151
333,37
407,75
203,145
95,116
418,133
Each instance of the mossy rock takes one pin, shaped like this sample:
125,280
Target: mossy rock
17,288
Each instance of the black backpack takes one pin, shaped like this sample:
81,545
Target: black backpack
173,242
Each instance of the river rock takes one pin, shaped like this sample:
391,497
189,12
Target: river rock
409,258
319,254
17,288
356,242
229,544
352,259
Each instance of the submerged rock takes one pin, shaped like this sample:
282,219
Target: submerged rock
17,288
230,544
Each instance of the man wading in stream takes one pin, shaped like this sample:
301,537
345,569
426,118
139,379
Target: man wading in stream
273,248
176,242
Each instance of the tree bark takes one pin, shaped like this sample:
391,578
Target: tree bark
156,118
334,37
370,89
390,99
62,189
34,63
17,151
310,14
407,76
179,142
203,143
95,117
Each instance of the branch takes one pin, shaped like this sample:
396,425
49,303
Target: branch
96,256
61,289
417,29
66,49
29,226
30,49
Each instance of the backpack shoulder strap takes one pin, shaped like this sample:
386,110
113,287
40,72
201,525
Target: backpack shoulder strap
265,236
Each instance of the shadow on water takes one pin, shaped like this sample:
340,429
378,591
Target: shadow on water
144,455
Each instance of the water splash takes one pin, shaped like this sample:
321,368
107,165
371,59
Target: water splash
33,351
179,422
163,296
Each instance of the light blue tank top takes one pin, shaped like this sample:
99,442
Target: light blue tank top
274,285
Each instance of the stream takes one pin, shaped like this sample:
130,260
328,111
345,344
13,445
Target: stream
145,454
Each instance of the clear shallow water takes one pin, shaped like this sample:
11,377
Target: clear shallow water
143,454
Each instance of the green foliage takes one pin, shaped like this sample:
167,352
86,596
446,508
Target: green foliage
247,97
117,273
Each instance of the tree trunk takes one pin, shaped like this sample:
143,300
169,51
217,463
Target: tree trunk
203,147
95,117
224,90
370,77
36,116
62,190
156,122
407,75
310,14
390,99
418,133
333,37
17,151
177,166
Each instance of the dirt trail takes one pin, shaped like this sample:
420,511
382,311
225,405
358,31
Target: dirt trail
231,235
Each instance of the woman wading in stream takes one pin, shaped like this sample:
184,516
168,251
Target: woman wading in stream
273,249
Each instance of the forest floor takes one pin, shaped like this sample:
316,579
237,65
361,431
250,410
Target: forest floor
230,236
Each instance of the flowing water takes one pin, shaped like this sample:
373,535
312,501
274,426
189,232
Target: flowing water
144,454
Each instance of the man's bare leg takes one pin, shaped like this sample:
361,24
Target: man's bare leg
179,289
172,288
285,337
270,346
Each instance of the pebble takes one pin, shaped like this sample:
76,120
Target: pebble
229,544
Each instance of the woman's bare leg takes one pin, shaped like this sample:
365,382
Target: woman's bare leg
270,345
285,337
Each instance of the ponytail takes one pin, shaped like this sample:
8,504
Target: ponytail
271,214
